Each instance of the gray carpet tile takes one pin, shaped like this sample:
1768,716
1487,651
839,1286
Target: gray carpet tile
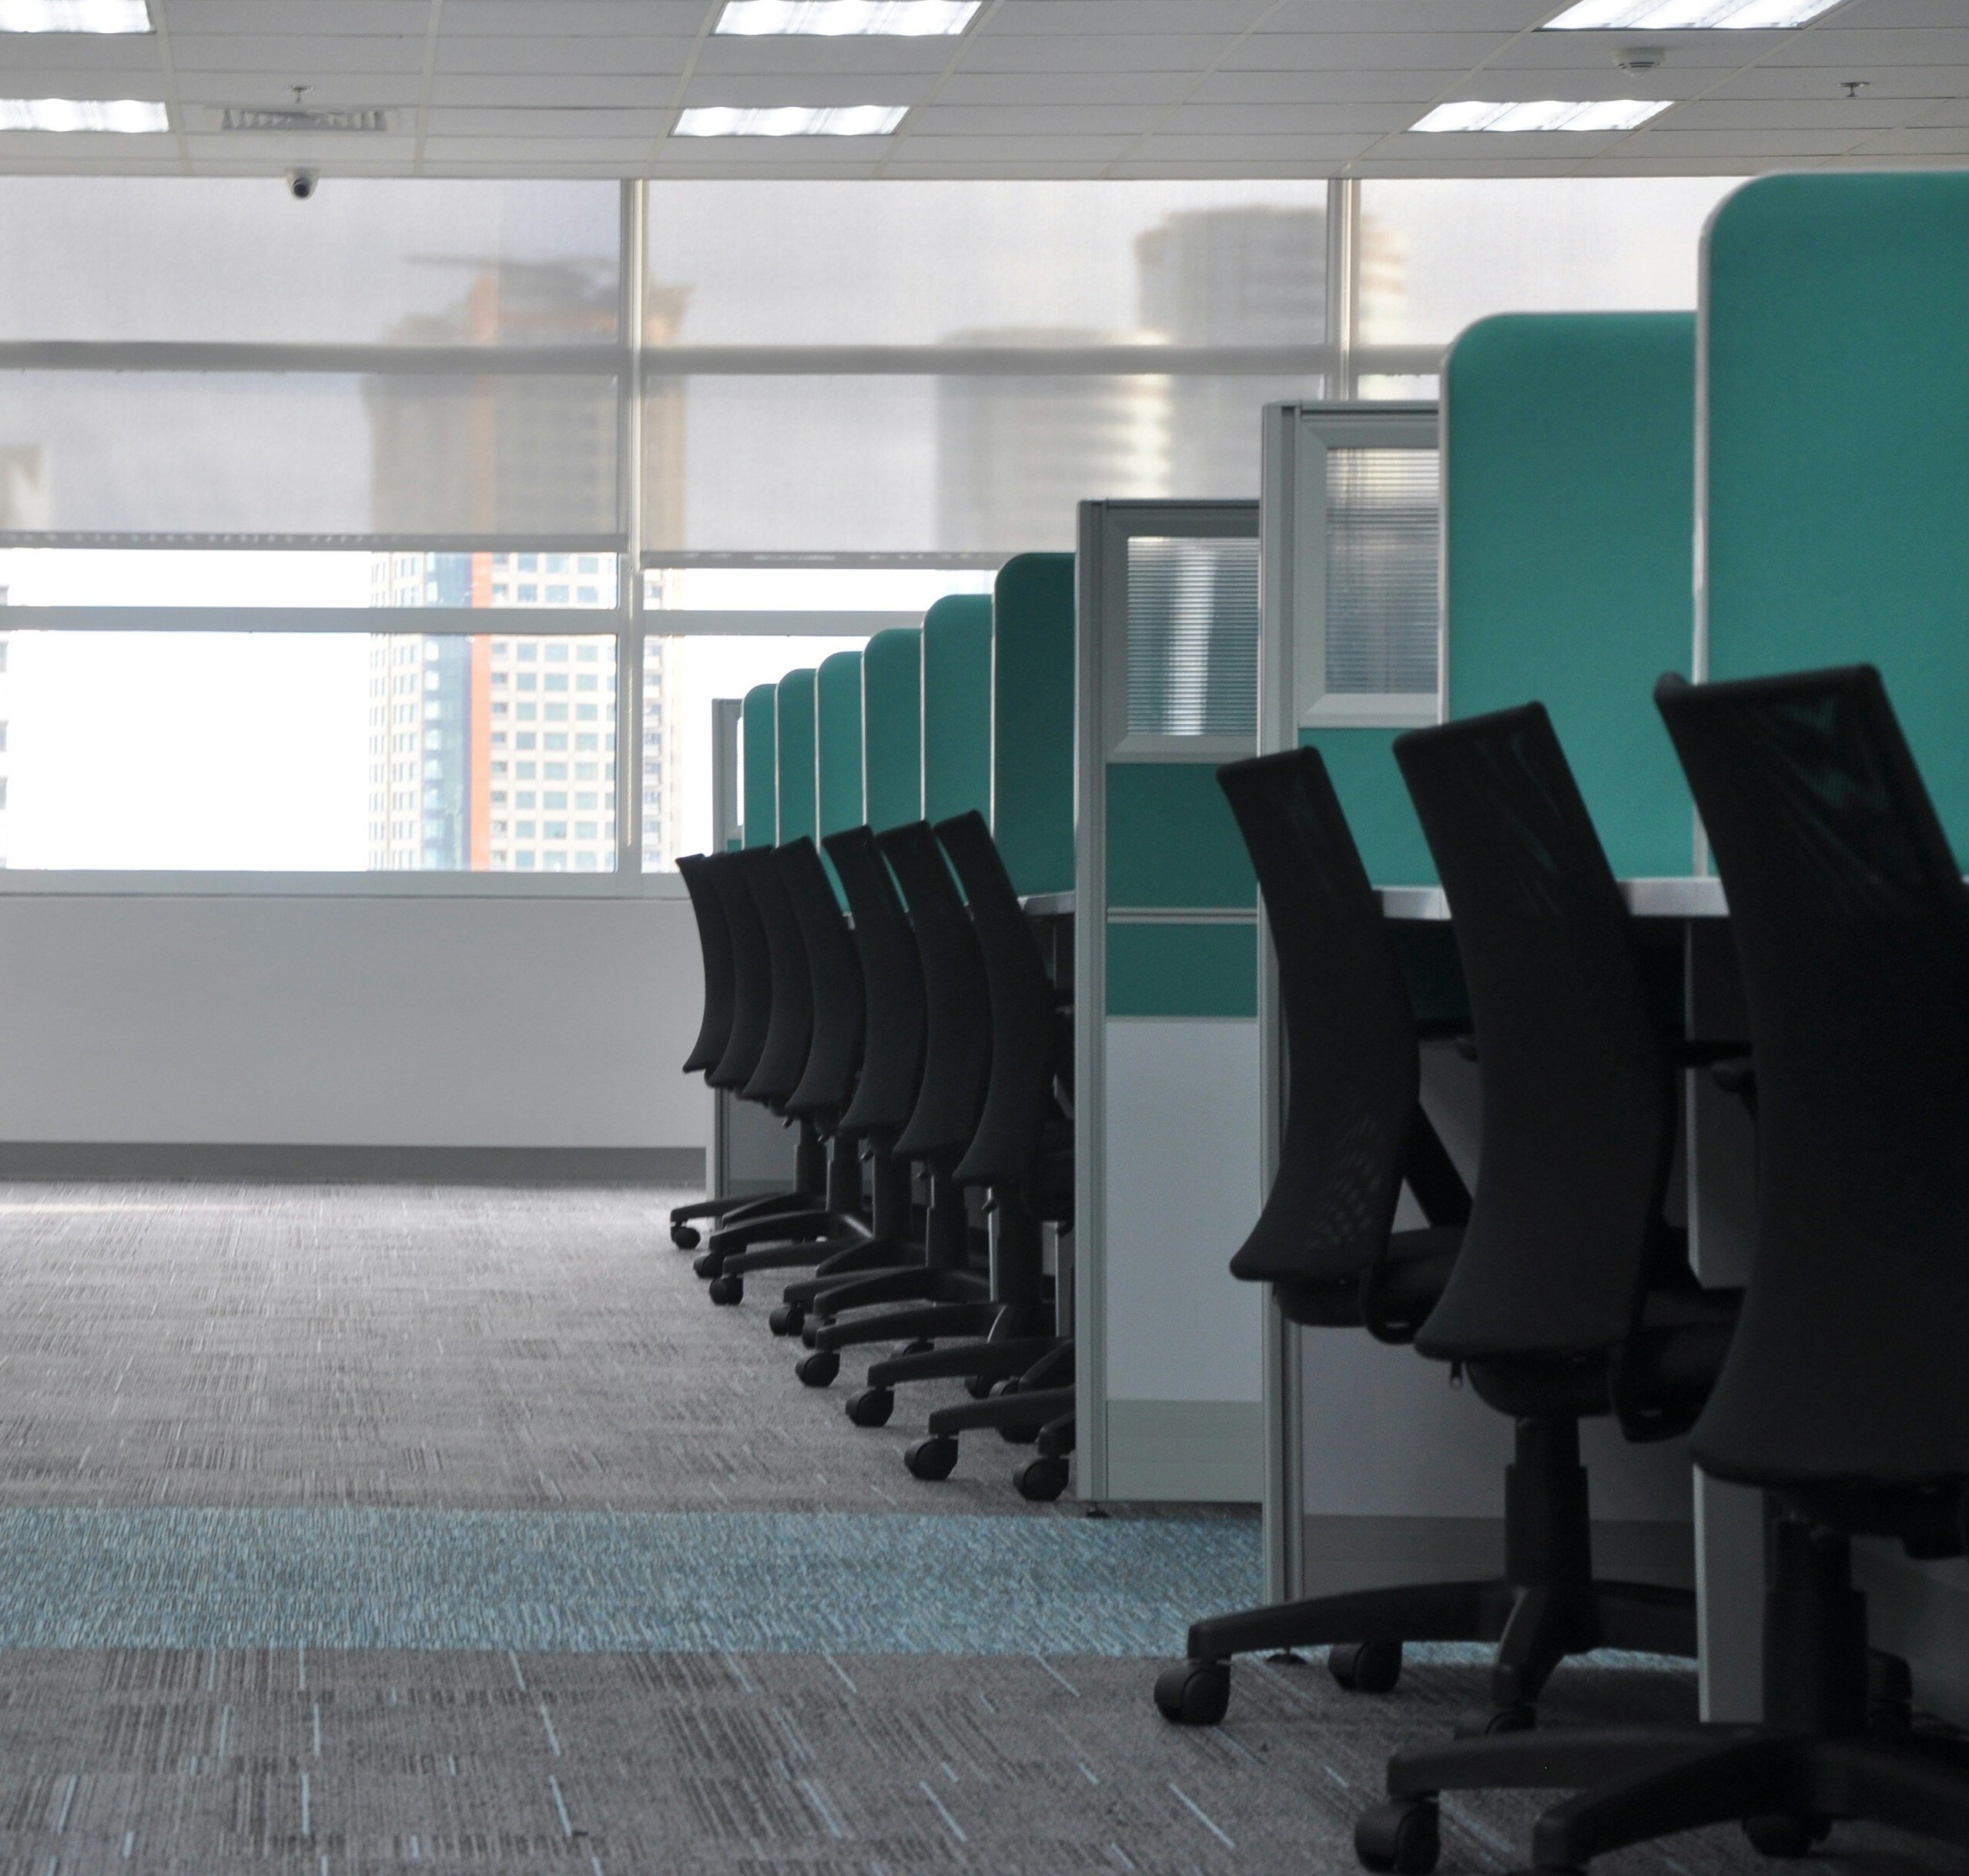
735,1765
463,1346
299,1406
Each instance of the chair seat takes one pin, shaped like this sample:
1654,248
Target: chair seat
1405,1282
1661,1379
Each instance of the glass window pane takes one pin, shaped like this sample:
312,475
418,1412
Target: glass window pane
1436,254
1193,637
217,577
402,262
808,589
1381,509
681,677
302,752
301,454
1230,263
977,463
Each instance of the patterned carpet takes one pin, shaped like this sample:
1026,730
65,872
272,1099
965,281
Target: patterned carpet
383,1529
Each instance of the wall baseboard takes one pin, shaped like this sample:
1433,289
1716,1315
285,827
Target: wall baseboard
88,1159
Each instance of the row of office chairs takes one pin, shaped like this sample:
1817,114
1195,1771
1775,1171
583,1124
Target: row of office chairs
1834,1384
918,1042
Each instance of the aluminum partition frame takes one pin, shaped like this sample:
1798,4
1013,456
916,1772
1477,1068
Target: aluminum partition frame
724,834
1100,601
1285,507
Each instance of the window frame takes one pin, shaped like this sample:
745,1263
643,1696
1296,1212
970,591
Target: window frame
633,367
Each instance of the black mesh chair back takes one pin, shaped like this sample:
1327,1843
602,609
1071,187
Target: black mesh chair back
957,1042
1024,1031
1577,1087
1852,930
715,944
891,978
1353,1067
789,1034
751,974
834,1053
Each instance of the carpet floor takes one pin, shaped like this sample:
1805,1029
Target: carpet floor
376,1529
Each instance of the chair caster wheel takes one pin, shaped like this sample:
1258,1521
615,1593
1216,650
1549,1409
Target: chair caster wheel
786,1319
1482,1722
1788,1838
685,1236
708,1265
922,1346
1365,1668
812,1328
1041,1480
1404,1837
1194,1693
818,1369
933,1458
978,1386
1018,1435
727,1290
872,1407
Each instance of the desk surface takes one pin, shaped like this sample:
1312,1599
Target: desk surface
1693,897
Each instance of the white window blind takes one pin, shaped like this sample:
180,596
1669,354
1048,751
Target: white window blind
1192,636
1383,524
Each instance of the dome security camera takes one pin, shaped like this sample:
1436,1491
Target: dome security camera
302,183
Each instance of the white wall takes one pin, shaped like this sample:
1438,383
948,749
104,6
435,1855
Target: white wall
349,1021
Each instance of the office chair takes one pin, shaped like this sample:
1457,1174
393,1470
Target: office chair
730,1039
1021,1155
776,1074
827,1081
891,1074
1844,1395
953,1298
1325,1239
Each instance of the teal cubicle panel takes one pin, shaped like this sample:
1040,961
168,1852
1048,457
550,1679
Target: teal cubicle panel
795,717
1361,764
956,706
1032,720
1568,550
1837,445
838,706
892,727
758,720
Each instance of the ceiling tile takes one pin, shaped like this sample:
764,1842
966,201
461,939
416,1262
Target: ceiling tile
1833,45
1746,143
551,88
1035,148
1949,141
941,119
479,121
1857,116
1280,147
1067,87
1167,52
1890,81
619,57
1325,87
1286,119
1018,17
300,54
847,57
560,19
324,19
1363,51
828,87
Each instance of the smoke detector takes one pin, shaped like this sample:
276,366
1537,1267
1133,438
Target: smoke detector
1641,58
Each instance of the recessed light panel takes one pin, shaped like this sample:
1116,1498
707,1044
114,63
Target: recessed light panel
791,120
831,18
134,116
1544,114
1687,16
74,16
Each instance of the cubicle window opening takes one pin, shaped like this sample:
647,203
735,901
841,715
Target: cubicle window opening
1357,577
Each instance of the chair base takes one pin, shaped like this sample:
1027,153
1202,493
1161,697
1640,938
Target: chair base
1546,1605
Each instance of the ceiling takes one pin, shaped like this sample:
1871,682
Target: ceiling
1034,88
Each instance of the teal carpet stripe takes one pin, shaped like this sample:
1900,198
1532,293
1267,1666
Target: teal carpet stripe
761,1583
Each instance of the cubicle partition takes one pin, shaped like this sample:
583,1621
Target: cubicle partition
1165,991
1032,721
795,722
956,706
1833,468
892,727
759,759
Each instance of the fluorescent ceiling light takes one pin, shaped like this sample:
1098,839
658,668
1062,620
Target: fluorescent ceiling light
74,16
1686,15
133,115
1544,114
831,18
791,120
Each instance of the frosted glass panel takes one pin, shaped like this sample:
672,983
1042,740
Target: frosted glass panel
951,464
1218,262
1383,523
243,452
395,261
1193,637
